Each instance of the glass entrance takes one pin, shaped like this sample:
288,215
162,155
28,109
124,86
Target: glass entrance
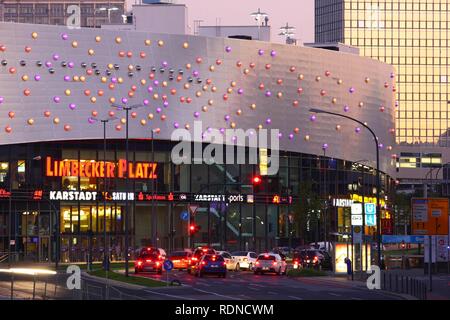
44,249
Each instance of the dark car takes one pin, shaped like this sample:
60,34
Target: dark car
196,257
212,264
312,258
149,261
180,259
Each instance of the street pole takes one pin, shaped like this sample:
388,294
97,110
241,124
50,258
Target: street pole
378,182
105,247
127,109
154,217
9,215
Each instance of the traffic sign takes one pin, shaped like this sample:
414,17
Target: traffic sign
430,216
371,220
184,216
370,208
168,265
193,209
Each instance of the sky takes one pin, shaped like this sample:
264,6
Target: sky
298,13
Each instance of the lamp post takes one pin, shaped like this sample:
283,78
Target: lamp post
127,109
154,185
258,16
378,183
105,242
109,9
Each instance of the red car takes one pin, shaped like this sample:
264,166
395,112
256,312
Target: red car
180,259
149,261
196,257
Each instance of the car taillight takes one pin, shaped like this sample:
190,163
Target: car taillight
194,259
139,263
257,263
203,262
275,263
316,258
223,263
157,264
159,257
295,262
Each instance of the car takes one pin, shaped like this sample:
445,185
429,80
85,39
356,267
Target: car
196,257
313,258
149,261
244,259
180,259
230,261
159,251
211,264
270,262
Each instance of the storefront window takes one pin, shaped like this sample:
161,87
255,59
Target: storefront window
4,166
90,218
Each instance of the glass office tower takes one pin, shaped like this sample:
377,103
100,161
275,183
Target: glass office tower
413,36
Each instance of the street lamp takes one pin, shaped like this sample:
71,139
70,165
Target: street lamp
10,169
258,17
378,171
154,186
127,109
105,243
102,9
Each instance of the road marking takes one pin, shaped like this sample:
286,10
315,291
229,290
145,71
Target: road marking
356,299
271,292
257,285
295,298
216,294
334,294
169,295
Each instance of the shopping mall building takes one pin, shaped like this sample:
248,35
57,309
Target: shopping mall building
57,195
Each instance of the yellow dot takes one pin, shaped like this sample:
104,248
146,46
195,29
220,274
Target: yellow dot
198,94
155,96
76,78
56,121
143,122
143,81
187,126
110,66
229,90
25,78
211,102
118,39
188,66
186,86
214,89
93,99
233,84
212,68
130,67
233,125
82,78
205,87
98,39
30,121
112,100
91,52
104,79
34,35
160,43
204,108
307,138
260,126
123,120
120,80
253,106
74,44
150,116
185,45
148,42
67,92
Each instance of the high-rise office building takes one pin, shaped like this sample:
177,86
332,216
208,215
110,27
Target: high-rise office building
413,36
93,12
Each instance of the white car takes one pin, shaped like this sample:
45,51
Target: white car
270,262
230,261
244,259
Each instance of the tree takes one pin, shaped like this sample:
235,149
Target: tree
306,211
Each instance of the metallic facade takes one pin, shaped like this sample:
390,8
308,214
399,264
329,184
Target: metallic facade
413,36
52,80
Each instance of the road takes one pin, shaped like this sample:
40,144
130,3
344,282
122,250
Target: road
247,286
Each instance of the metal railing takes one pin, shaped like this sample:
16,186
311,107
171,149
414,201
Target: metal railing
404,284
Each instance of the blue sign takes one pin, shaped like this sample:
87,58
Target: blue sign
371,220
405,239
370,208
168,265
184,216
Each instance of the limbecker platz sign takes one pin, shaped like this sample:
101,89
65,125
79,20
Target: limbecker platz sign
100,169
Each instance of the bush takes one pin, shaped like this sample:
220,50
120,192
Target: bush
306,272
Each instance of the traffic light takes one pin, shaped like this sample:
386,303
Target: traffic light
403,245
256,182
193,229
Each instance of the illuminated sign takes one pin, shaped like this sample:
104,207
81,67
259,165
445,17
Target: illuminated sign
118,196
358,198
263,162
73,195
430,216
100,169
37,194
276,199
343,203
219,198
149,197
4,193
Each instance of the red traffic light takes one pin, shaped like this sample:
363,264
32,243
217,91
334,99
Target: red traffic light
192,227
256,180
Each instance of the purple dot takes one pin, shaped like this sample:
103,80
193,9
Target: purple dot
165,64
64,36
268,94
325,146
280,135
91,120
72,106
260,52
209,129
268,121
312,118
156,83
196,114
56,57
227,118
234,138
176,125
346,108
57,99
358,130
380,146
291,136
71,65
240,91
351,90
37,77
228,49
195,73
48,64
124,100
273,53
146,102
150,89
166,104
114,80
158,110
222,130
66,78
2,99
